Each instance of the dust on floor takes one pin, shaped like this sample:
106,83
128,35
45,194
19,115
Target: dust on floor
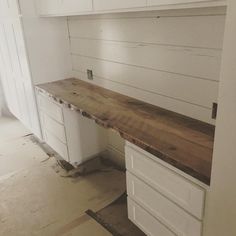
35,199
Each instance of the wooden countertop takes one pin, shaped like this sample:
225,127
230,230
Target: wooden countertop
185,143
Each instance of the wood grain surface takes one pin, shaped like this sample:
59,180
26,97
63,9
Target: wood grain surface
180,141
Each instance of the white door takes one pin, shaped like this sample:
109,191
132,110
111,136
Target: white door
7,71
15,55
104,5
73,6
26,90
16,76
168,2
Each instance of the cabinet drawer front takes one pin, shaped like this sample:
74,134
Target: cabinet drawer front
55,128
50,108
56,144
175,187
145,221
167,212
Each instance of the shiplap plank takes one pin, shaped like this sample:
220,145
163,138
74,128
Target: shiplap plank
201,63
194,111
192,31
161,83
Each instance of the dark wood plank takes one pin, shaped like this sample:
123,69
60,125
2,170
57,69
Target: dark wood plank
180,141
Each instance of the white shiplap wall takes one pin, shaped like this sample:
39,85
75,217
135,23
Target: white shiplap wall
168,58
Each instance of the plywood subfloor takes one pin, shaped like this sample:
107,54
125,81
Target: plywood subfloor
36,200
115,218
84,226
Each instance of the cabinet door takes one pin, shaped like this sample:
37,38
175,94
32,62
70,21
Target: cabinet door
74,6
17,71
48,7
168,2
85,139
103,5
9,8
13,6
16,74
7,70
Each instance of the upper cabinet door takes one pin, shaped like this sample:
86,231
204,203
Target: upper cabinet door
9,8
48,7
168,2
76,6
104,5
63,7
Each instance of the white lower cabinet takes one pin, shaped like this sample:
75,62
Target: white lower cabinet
85,139
56,144
171,202
51,108
145,221
75,138
54,127
181,191
167,212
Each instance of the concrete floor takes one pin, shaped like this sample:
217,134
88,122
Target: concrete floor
36,199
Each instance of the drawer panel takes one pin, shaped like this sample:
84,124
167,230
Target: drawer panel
175,187
56,144
145,221
55,128
51,108
167,212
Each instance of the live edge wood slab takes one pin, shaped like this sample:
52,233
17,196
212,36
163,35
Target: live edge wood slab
185,143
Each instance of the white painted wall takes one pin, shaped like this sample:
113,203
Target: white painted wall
221,201
168,58
47,44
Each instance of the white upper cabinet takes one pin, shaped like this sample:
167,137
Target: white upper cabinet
63,7
170,2
79,7
74,6
104,5
48,7
13,7
9,8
